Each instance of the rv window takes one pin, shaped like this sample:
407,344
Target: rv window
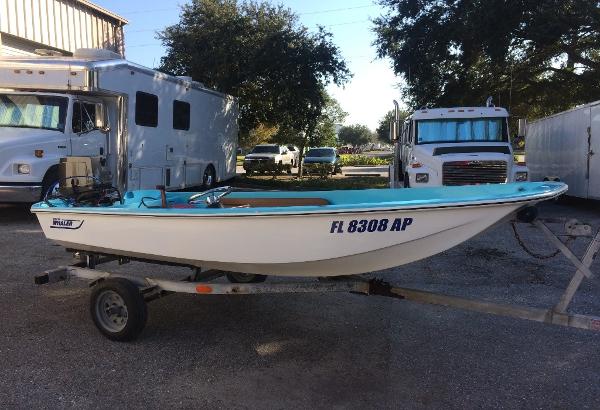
146,109
181,115
84,117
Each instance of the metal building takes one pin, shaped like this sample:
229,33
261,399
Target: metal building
29,27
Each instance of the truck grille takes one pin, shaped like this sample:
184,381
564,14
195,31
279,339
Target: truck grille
473,172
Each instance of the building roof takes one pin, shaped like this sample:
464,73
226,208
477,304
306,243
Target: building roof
104,11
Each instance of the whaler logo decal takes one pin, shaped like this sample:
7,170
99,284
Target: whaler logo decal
61,223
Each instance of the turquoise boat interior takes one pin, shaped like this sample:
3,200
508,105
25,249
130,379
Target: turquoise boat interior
152,201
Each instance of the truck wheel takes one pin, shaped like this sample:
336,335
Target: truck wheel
49,179
118,309
239,277
289,169
208,179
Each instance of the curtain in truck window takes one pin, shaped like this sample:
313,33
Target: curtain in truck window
33,111
461,130
146,109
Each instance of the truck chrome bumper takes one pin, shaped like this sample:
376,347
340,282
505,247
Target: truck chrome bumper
20,193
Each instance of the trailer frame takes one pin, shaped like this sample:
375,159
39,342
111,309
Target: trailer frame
137,291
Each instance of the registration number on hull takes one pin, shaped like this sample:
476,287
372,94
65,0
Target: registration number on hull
370,225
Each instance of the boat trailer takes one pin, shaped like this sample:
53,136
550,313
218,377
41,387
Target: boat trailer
118,301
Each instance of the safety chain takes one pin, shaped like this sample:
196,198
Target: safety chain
532,253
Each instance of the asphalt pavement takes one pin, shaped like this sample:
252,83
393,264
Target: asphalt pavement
304,350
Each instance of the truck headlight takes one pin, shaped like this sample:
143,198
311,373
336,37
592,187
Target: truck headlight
520,176
23,168
422,178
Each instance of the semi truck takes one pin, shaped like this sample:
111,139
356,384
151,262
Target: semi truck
566,147
139,127
453,146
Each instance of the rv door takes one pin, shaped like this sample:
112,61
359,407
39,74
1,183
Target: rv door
89,129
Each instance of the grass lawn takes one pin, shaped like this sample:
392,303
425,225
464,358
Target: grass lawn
291,183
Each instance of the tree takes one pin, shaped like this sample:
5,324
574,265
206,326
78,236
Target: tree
535,57
355,135
325,132
260,134
383,129
260,54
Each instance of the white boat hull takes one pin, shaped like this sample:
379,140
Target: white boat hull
316,244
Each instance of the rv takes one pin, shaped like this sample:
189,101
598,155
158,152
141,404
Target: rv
138,127
566,147
453,146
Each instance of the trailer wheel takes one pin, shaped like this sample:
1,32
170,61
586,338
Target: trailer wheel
118,309
239,277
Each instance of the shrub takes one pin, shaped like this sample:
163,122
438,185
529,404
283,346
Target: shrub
353,160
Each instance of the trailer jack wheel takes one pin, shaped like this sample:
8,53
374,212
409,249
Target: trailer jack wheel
238,277
118,309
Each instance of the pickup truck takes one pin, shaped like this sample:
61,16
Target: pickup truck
267,157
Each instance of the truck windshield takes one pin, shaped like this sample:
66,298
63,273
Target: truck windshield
265,149
462,130
33,111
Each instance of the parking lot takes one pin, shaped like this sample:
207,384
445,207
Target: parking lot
306,350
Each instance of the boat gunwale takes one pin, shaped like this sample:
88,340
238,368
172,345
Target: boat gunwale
289,211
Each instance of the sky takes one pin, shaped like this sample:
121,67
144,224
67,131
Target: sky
366,98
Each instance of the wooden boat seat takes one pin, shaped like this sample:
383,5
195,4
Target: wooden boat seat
271,202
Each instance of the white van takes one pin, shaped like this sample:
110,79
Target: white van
144,128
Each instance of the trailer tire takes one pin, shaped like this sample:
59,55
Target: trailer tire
239,277
208,179
118,309
49,179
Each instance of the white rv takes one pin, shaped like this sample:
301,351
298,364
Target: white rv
566,147
453,146
144,128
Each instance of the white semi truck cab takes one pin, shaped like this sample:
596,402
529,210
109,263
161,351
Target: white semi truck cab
36,130
453,146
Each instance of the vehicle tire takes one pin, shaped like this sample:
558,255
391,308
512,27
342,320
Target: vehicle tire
49,179
118,309
208,179
289,169
406,180
239,277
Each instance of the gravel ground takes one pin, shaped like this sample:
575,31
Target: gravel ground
305,351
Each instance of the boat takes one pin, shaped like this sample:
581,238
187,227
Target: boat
304,233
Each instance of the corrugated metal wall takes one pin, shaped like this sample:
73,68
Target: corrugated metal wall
60,24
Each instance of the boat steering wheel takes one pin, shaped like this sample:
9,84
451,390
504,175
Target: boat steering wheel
213,196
